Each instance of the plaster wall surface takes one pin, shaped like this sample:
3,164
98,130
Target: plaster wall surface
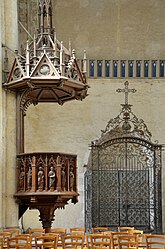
121,29
70,128
113,29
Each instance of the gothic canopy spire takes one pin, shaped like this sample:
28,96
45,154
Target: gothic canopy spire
48,71
45,16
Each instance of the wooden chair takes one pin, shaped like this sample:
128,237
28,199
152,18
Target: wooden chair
4,237
73,240
154,241
34,232
99,229
1,243
141,240
60,231
79,231
115,236
21,241
128,241
47,240
102,241
88,241
13,232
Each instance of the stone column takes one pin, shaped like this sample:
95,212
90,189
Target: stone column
9,29
2,150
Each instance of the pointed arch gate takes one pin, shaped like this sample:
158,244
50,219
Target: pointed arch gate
123,177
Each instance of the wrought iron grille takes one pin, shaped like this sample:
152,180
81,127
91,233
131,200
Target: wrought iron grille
123,177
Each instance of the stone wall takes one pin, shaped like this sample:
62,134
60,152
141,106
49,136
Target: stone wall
122,29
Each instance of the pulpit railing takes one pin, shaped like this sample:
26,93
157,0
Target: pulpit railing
53,172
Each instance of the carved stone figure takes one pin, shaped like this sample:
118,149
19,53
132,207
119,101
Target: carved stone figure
21,179
63,178
52,176
71,179
40,178
29,178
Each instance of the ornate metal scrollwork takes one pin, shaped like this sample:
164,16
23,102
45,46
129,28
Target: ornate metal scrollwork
124,175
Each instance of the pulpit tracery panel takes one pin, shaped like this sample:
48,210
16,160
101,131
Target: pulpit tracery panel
46,172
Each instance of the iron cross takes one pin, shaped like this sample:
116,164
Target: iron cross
126,90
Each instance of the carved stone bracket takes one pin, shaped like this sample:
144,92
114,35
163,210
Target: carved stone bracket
26,100
47,216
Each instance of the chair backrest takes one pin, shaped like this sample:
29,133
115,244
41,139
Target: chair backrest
136,231
99,229
154,241
20,241
47,240
77,229
13,232
50,234
128,241
100,241
73,240
36,231
125,229
59,230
